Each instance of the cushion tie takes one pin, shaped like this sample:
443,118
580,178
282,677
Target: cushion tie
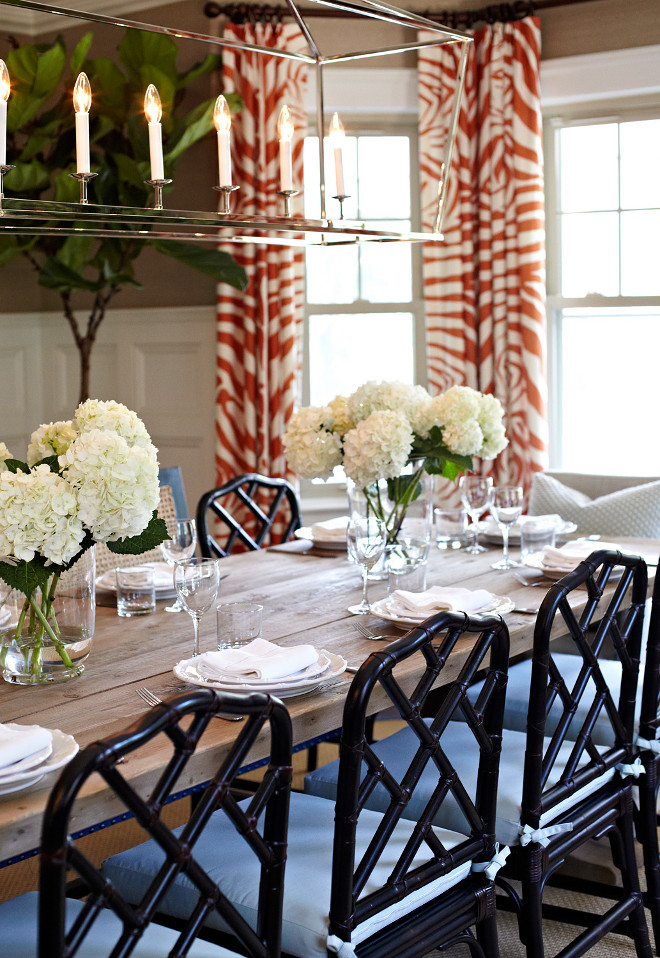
635,770
338,947
652,745
542,836
491,868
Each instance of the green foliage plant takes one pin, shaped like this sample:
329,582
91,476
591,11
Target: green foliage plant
41,144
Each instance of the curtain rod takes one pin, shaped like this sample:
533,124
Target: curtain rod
455,19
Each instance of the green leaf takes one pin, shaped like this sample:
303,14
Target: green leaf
221,266
28,176
79,54
15,465
27,576
76,252
128,170
155,533
52,462
194,130
67,190
408,486
210,63
22,107
109,90
57,275
139,48
22,66
49,71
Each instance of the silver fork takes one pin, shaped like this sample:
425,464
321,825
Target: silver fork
151,699
367,633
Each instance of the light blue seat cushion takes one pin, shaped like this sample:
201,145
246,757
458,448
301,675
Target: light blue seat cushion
517,695
461,749
222,853
633,512
18,934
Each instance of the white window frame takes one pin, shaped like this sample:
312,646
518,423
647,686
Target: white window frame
616,86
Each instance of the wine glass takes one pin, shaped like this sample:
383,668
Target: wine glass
365,539
196,582
180,545
475,494
506,505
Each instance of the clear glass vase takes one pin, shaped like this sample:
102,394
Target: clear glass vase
38,652
406,506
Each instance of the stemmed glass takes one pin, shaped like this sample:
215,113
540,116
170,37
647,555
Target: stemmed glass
365,540
475,495
506,505
196,582
180,545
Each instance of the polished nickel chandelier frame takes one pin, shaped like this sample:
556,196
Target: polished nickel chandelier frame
42,217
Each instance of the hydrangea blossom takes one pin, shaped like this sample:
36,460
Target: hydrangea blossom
116,483
342,420
111,416
50,440
378,447
312,448
4,453
38,516
373,396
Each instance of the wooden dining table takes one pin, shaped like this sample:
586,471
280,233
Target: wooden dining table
305,597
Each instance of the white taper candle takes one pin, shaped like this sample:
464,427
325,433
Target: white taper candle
153,111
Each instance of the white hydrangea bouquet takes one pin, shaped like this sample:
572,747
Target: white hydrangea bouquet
385,426
91,479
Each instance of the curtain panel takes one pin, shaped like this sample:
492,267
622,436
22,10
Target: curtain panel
484,286
259,331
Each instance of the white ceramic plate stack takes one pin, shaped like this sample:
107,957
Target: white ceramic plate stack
490,530
389,609
327,666
330,534
31,769
163,580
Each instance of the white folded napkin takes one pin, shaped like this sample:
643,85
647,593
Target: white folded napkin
439,598
18,743
163,577
573,552
258,659
331,529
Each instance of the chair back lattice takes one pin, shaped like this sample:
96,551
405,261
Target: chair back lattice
183,720
649,721
105,559
608,622
244,511
475,642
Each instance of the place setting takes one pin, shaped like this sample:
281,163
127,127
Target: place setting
406,609
29,752
553,562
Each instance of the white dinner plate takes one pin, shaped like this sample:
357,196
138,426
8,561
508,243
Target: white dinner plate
499,606
29,762
311,672
490,530
64,748
330,543
186,671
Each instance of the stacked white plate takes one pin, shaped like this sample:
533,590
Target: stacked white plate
327,666
390,609
330,534
552,564
490,530
163,580
56,750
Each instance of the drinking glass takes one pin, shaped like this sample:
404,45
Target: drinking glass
196,582
180,546
365,540
506,505
475,495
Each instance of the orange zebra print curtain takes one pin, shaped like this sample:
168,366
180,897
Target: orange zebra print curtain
259,330
484,287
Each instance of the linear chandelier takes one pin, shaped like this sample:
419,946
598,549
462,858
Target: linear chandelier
42,217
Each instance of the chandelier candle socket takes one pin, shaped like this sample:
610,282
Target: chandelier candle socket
222,122
285,133
82,101
336,136
154,111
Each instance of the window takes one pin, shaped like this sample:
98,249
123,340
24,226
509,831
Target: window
604,293
364,309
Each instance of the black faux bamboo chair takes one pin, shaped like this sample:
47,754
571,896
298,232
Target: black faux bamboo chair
260,500
105,923
364,883
560,789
